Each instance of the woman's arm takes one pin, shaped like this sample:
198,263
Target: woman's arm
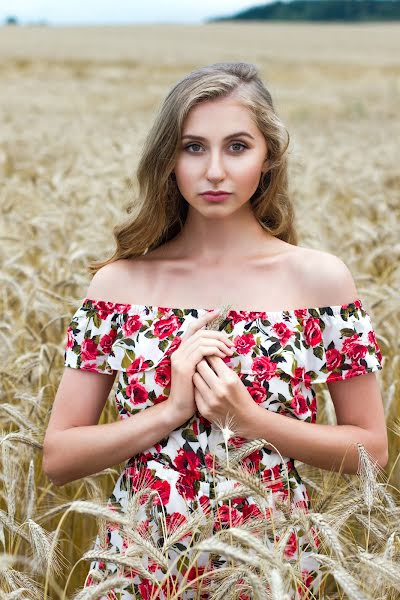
76,446
360,417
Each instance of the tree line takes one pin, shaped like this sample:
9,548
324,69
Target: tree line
320,10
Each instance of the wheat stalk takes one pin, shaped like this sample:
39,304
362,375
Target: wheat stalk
111,584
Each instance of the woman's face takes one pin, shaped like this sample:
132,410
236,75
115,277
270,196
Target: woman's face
221,149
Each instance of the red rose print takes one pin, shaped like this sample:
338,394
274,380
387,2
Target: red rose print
165,327
312,332
301,504
187,461
252,315
257,392
264,367
152,565
70,338
372,340
356,369
174,520
164,489
228,515
236,316
185,485
88,349
137,365
174,345
89,367
104,309
146,589
298,375
137,392
313,409
145,478
291,545
122,308
205,503
163,373
132,324
143,527
250,511
107,341
244,343
160,398
272,473
301,313
353,348
307,580
171,583
333,359
299,404
252,461
236,441
188,464
140,479
283,332
208,457
314,533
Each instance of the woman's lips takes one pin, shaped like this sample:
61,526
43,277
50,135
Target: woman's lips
215,197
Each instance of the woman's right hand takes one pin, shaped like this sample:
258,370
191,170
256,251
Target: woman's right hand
196,343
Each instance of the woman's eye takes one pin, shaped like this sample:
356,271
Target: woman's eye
239,144
190,145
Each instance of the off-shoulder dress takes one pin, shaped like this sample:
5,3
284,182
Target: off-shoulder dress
279,356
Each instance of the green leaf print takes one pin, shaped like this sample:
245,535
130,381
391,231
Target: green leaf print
163,345
129,342
96,320
318,351
347,332
345,313
183,564
129,357
189,435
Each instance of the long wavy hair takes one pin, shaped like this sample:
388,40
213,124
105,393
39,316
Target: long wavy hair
159,212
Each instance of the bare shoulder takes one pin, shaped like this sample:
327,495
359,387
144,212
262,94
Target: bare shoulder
109,282
328,276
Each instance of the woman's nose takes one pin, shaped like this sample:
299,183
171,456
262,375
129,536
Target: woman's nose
215,166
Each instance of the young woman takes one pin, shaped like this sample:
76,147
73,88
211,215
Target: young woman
214,225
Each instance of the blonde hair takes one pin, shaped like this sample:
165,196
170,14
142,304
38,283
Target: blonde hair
160,211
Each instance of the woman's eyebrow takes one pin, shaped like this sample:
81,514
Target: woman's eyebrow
228,137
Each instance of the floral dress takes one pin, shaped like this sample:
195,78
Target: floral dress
279,356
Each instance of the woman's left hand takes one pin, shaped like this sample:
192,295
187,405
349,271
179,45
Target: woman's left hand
220,395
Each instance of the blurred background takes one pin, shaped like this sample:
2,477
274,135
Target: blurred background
80,85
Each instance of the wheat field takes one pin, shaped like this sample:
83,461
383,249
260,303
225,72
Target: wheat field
76,104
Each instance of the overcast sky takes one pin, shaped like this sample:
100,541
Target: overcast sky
120,11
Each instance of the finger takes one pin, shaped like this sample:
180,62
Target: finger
208,347
207,372
218,365
196,329
202,321
199,400
199,381
206,318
